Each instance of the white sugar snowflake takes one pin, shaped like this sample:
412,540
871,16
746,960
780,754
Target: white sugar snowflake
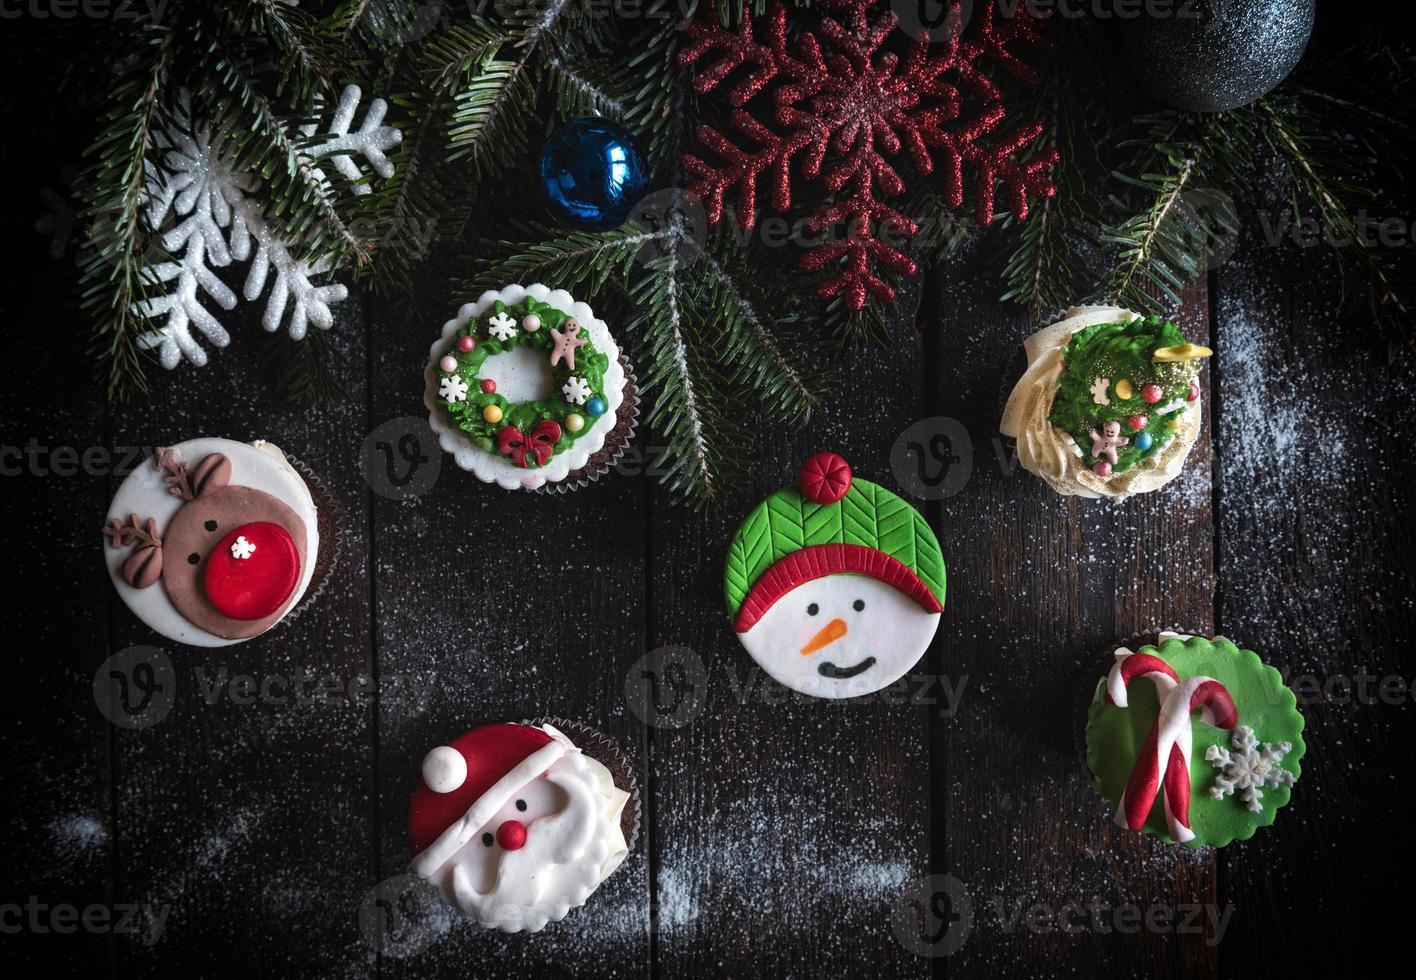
1098,389
452,388
208,216
501,327
1247,769
576,390
241,548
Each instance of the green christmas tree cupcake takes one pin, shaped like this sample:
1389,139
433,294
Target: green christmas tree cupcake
1194,740
527,389
1109,405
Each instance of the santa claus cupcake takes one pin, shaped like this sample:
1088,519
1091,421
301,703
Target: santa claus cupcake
211,542
835,586
1194,740
1109,405
518,824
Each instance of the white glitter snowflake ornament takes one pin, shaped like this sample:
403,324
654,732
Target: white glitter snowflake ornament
501,327
576,390
208,215
1249,768
452,388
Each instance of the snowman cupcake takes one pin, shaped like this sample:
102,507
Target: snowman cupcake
528,390
1193,740
518,824
1109,405
835,586
211,542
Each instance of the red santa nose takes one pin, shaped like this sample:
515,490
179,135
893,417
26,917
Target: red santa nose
511,835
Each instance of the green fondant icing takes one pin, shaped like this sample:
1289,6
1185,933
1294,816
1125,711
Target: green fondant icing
1264,703
867,515
590,364
1113,351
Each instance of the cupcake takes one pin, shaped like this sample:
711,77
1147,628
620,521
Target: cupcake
835,586
517,824
1109,405
1193,740
211,541
527,389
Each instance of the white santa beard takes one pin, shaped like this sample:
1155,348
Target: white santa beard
562,861
891,627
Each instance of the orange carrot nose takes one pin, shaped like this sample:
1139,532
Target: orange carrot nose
829,633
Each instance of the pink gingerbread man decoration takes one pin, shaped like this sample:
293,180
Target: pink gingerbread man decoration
1104,444
566,343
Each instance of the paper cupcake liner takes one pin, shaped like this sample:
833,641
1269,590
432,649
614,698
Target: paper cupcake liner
607,752
618,439
330,524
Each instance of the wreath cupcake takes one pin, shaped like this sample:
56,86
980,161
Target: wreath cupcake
1109,405
527,389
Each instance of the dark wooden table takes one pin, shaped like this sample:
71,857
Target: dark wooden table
781,837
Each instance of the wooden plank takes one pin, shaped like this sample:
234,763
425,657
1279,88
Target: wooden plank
787,828
1043,589
54,786
1316,558
250,824
501,606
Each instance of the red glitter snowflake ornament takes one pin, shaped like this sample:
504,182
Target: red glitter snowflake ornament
837,94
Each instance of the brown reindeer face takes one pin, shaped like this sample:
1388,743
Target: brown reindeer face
231,558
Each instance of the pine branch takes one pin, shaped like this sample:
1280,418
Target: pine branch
1333,182
111,263
1189,170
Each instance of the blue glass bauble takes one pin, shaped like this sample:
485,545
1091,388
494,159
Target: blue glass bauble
593,173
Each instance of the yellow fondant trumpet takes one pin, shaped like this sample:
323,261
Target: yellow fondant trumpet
1181,352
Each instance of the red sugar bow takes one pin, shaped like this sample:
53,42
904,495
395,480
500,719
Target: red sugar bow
512,442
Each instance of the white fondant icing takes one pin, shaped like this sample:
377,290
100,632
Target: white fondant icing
570,810
490,467
444,769
258,465
892,628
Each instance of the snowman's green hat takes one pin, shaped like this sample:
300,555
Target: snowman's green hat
827,524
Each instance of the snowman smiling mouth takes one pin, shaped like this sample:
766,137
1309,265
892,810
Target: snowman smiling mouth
829,634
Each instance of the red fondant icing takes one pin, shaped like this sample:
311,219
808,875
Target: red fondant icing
819,560
254,587
491,752
824,478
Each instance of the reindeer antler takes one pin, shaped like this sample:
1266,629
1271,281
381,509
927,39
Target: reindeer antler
175,473
122,533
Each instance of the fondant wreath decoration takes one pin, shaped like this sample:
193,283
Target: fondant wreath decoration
527,433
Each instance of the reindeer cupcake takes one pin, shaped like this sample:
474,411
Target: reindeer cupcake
212,542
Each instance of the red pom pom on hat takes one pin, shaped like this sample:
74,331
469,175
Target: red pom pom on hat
825,478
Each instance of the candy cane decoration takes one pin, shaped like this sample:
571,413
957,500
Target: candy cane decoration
1163,765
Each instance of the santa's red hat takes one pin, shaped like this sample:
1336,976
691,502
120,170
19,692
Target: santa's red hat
466,783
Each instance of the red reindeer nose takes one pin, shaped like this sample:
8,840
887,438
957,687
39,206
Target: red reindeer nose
511,835
252,571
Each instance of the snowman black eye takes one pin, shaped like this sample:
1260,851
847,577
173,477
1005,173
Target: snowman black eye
858,605
193,558
211,525
813,609
487,840
521,805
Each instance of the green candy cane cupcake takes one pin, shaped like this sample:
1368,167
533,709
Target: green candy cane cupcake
1109,404
1193,740
527,389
